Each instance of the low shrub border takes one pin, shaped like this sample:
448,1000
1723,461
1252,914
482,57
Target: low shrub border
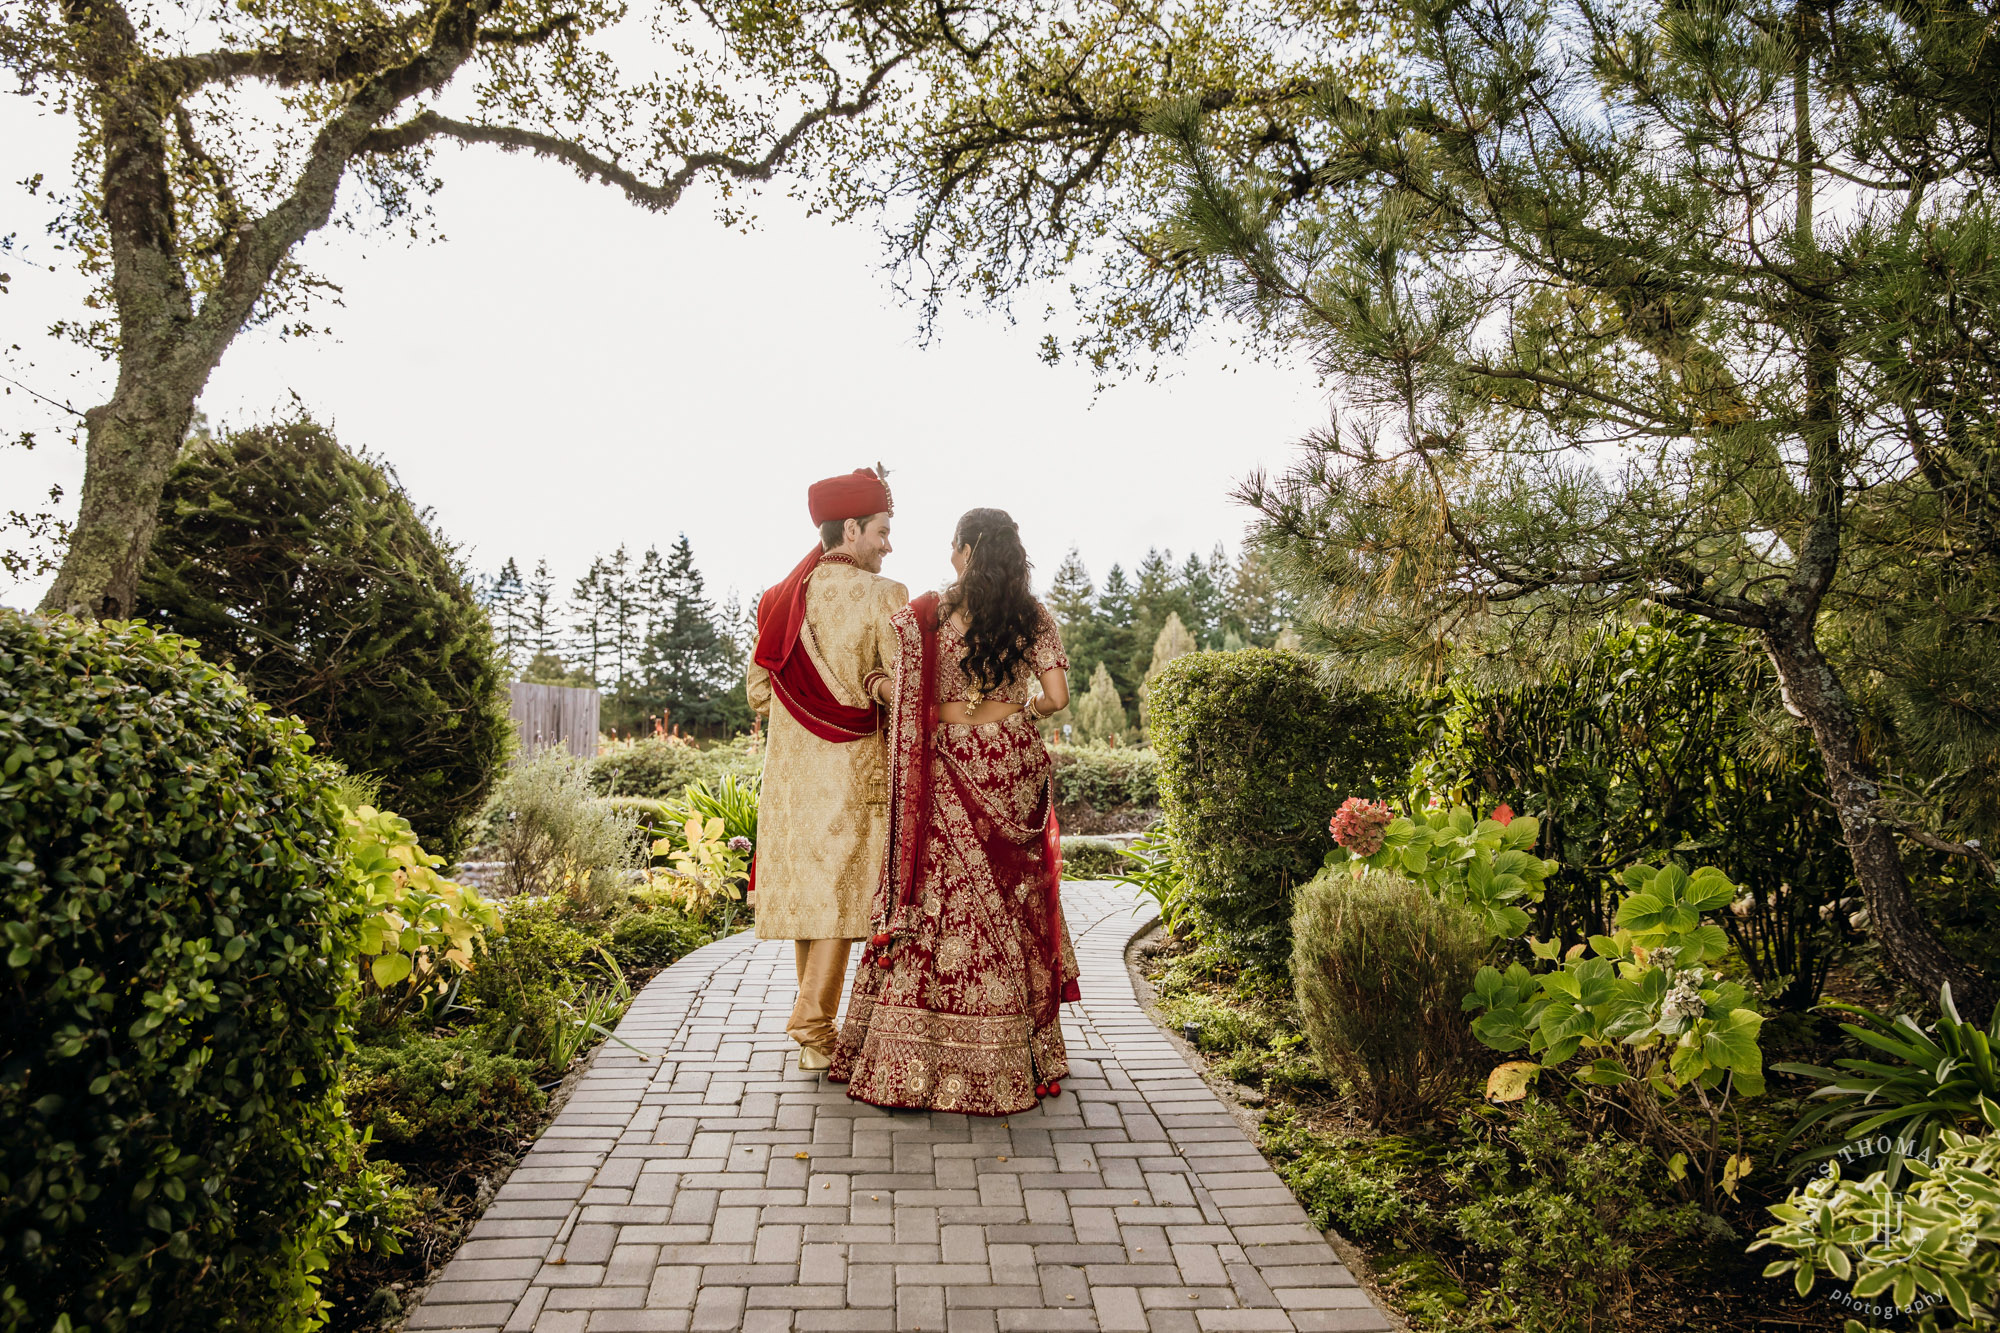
1528,1216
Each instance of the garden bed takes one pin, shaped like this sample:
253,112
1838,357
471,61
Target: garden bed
1518,1217
453,1105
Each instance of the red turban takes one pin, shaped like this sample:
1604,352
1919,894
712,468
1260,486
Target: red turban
856,495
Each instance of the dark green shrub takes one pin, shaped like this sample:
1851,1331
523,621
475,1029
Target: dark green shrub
1104,777
1654,743
179,976
308,572
665,768
654,935
1380,968
1091,858
432,1099
545,961
1255,755
1568,1218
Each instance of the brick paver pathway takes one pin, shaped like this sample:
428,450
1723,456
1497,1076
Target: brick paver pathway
715,1186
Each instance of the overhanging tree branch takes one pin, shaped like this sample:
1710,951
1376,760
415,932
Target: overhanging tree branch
593,166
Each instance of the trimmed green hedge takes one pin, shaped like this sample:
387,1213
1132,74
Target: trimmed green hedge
1255,755
1105,777
179,970
663,768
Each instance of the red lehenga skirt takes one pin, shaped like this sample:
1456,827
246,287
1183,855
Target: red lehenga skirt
955,1004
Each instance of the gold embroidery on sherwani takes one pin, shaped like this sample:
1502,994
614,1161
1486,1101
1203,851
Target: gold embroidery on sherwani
823,821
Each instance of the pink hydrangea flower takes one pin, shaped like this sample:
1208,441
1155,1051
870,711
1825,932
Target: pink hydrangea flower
739,843
1358,825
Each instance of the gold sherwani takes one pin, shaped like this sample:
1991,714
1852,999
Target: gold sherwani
823,819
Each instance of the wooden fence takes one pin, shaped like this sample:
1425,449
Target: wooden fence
546,716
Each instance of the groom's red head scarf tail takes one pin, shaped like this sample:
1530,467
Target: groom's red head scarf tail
781,613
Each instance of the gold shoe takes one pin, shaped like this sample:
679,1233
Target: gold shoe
814,1058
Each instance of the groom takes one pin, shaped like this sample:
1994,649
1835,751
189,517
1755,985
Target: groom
823,820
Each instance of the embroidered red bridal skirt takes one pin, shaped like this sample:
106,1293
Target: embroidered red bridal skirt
964,1015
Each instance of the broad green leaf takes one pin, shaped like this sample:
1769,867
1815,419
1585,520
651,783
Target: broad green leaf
390,968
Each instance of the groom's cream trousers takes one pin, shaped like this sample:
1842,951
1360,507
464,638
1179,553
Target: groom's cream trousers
822,975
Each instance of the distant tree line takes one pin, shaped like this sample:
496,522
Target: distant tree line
644,631
1119,633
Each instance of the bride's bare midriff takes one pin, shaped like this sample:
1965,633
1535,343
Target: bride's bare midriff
992,710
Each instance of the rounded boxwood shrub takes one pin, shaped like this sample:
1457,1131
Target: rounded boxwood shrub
178,964
307,571
1256,752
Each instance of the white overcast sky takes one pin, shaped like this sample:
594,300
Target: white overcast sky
566,372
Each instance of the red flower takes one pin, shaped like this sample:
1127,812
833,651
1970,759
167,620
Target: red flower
1503,814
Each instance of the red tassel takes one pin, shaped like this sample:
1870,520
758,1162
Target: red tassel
1055,1089
883,960
879,940
1041,1089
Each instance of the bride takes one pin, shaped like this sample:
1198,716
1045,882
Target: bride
954,1007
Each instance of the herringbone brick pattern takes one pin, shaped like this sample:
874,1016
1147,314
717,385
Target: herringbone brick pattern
714,1186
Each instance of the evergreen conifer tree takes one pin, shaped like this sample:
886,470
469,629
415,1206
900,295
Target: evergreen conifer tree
1117,609
1071,595
1173,641
1739,246
541,629
688,666
502,595
1100,713
586,639
1203,594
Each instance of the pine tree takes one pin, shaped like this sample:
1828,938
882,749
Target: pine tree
1071,596
1542,243
1203,594
586,630
502,595
1259,606
690,667
623,630
542,630
1100,713
1116,610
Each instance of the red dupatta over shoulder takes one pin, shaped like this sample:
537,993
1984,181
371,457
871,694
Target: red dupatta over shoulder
781,618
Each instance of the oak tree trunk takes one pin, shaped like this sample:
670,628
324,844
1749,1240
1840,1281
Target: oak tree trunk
131,445
1813,690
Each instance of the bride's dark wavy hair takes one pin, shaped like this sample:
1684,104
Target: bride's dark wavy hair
994,592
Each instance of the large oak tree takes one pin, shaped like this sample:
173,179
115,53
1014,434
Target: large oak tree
215,137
